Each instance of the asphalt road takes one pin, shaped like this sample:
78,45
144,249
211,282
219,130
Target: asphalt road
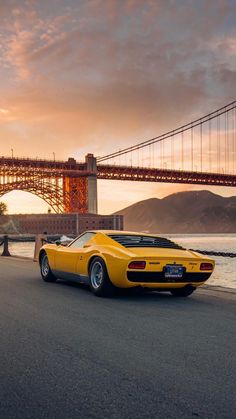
67,354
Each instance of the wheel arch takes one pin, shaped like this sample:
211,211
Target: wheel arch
94,257
41,253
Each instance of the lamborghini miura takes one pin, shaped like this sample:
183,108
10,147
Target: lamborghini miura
107,260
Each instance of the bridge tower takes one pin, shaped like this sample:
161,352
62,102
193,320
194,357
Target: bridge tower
81,188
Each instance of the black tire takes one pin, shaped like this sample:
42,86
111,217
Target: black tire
183,292
45,270
99,280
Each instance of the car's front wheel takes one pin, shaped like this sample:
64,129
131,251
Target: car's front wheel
183,292
99,280
45,270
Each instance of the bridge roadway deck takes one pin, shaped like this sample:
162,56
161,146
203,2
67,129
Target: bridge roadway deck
67,354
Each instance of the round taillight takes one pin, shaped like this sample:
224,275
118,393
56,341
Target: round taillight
206,266
137,264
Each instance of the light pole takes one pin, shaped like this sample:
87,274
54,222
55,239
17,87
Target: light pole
53,156
12,153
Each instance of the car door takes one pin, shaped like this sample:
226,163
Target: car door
67,259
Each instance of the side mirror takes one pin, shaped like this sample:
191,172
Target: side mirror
57,242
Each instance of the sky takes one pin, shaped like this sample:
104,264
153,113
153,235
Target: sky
81,76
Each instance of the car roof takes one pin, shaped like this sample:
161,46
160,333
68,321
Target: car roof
133,233
137,239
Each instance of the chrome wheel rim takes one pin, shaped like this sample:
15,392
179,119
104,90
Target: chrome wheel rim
96,275
45,266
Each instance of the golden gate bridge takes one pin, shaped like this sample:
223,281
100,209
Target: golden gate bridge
200,152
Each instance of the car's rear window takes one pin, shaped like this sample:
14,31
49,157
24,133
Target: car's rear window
129,240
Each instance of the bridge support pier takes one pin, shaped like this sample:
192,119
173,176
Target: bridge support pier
92,184
80,193
75,191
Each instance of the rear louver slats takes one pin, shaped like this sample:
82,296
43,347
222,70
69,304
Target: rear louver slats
144,241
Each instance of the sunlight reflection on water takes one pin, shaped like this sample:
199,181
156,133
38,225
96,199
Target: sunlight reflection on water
225,270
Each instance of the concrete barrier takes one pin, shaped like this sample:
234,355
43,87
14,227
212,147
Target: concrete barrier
40,240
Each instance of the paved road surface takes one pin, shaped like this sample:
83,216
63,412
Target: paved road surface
67,354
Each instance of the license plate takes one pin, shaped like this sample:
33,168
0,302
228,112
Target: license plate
174,271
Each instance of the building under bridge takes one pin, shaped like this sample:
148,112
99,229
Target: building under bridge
73,223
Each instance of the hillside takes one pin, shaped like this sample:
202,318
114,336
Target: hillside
183,212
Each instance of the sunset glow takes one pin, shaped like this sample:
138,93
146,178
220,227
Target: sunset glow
95,76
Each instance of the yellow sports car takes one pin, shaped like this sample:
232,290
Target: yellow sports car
107,260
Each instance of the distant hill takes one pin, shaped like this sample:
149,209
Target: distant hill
183,212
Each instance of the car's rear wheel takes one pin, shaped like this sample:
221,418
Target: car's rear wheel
45,270
183,292
99,280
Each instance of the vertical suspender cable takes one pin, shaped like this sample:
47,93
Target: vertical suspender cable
227,169
171,152
201,144
219,130
152,155
163,152
210,145
217,144
192,146
225,143
234,138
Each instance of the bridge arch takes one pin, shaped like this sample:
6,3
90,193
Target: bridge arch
51,194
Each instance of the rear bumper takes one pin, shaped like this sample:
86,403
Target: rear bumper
159,277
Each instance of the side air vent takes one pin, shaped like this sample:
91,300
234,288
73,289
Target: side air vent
128,240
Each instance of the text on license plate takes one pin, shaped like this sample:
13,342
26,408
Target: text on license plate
174,271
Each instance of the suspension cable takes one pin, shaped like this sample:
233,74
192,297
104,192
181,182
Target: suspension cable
225,109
